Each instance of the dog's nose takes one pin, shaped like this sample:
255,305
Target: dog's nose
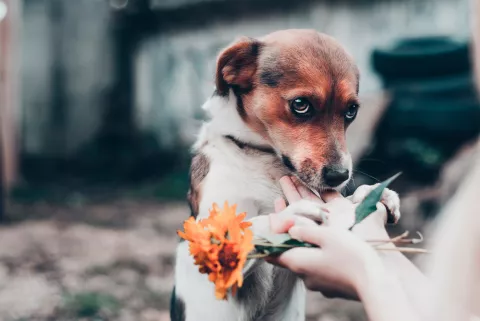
335,176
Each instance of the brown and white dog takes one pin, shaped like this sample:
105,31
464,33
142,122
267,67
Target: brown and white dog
282,105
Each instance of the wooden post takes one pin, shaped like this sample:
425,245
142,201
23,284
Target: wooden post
9,93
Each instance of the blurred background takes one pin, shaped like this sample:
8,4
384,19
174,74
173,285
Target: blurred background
100,101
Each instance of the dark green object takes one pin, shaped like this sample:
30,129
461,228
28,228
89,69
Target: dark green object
434,107
276,250
422,57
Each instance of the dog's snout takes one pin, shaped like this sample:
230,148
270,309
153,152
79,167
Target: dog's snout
334,176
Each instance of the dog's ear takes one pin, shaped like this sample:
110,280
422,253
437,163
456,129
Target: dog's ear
237,64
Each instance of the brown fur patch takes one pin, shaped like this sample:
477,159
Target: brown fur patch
199,169
307,170
236,65
307,64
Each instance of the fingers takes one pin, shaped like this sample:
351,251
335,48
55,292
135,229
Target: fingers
303,212
280,205
295,191
308,209
305,192
290,190
297,260
309,234
281,224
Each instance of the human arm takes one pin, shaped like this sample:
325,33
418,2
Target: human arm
345,265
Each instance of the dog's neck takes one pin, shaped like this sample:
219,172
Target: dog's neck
225,122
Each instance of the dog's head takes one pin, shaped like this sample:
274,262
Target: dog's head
298,89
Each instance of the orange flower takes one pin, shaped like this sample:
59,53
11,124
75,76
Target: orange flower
219,245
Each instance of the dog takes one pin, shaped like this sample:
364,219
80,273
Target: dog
281,106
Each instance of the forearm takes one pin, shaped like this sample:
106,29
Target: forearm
384,298
410,279
419,290
415,285
402,284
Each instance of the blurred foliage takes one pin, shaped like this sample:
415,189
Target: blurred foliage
90,305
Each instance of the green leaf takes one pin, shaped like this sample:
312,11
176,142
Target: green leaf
270,250
279,248
369,204
297,243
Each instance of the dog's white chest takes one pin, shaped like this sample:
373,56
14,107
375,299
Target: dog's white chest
248,181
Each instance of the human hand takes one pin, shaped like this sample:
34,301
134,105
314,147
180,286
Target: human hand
343,260
340,266
340,211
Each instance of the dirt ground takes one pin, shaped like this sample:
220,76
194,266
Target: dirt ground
75,264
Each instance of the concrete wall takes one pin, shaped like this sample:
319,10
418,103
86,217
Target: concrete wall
80,40
174,68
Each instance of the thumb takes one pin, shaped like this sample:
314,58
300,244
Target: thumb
280,205
309,234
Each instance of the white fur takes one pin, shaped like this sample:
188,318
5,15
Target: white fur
226,121
250,181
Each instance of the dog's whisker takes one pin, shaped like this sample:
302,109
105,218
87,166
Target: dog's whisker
373,160
354,184
368,175
348,189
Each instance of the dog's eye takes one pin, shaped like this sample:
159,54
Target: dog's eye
351,113
301,107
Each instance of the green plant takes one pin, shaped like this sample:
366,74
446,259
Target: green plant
90,304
